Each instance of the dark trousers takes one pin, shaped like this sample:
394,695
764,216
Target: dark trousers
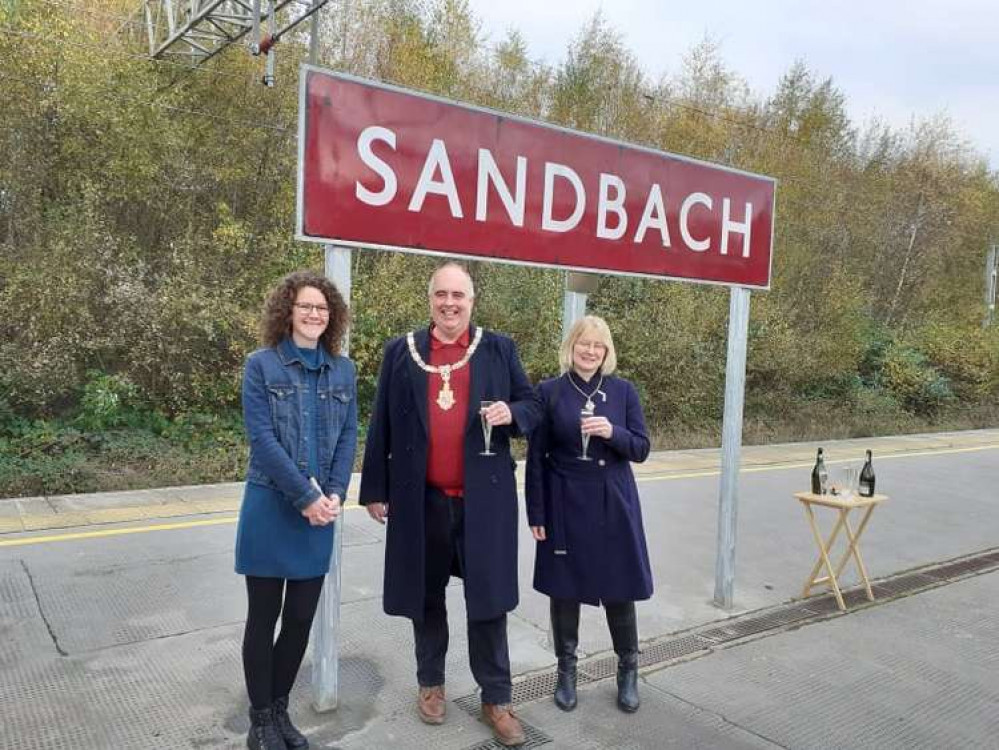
270,666
488,652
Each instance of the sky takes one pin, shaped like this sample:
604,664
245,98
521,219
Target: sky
892,59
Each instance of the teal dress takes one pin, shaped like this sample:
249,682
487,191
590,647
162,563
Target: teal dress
274,539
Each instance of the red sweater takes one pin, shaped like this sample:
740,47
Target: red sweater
446,450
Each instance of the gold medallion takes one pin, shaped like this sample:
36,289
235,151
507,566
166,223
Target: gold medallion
445,396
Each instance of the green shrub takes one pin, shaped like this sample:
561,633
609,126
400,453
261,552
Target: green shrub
105,401
968,356
908,374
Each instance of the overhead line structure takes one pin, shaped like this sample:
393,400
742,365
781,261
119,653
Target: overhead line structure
197,30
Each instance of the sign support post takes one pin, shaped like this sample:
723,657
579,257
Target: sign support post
728,496
326,627
578,286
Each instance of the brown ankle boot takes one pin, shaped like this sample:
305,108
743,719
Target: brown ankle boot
504,723
431,704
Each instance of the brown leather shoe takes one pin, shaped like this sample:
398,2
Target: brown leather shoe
504,723
431,704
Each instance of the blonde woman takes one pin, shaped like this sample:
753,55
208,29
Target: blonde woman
583,506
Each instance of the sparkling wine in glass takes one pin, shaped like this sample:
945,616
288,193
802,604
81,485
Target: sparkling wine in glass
583,415
487,429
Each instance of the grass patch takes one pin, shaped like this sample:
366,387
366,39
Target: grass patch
52,458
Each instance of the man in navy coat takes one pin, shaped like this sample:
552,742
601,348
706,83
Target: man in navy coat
449,499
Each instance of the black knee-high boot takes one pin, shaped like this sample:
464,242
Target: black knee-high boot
624,633
565,631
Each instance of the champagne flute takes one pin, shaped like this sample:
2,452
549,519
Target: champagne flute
487,429
850,476
584,414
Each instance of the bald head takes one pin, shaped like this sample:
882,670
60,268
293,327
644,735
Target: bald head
451,270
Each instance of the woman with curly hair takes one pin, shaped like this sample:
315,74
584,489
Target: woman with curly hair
300,409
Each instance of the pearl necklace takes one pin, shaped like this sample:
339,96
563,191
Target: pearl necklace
445,396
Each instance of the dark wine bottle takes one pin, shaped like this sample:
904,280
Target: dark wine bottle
820,477
867,478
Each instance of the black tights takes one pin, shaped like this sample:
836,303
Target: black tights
270,667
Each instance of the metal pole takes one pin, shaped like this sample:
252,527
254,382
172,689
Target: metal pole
578,286
272,27
314,38
326,627
573,308
728,499
255,44
991,282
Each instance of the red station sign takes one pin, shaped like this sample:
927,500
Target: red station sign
382,167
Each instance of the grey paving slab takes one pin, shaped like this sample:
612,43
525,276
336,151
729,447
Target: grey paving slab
917,673
23,632
663,721
209,491
97,500
117,594
138,696
31,506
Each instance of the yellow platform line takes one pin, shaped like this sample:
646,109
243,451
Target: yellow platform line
129,530
353,505
808,464
114,532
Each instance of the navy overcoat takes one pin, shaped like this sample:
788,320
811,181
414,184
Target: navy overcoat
395,471
595,548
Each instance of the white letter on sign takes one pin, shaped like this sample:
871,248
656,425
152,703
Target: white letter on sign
705,200
489,172
436,159
387,193
552,171
654,217
734,226
605,204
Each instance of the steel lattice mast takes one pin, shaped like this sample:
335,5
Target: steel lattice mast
197,30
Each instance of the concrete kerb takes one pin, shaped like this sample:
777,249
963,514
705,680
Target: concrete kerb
86,509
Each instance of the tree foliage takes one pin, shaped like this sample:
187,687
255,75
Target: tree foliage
145,209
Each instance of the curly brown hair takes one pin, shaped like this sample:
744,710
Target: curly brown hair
275,326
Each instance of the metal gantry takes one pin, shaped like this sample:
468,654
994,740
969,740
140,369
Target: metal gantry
197,30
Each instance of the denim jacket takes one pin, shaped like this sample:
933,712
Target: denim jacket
273,405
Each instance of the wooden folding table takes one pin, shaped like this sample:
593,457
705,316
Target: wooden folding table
843,507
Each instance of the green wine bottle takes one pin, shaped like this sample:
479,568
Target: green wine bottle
820,477
866,483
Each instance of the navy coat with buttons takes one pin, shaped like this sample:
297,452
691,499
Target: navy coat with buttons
595,549
395,471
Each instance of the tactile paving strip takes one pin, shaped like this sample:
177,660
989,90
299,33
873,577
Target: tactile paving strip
23,632
102,607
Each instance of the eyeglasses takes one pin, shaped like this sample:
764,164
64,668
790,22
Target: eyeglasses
308,309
